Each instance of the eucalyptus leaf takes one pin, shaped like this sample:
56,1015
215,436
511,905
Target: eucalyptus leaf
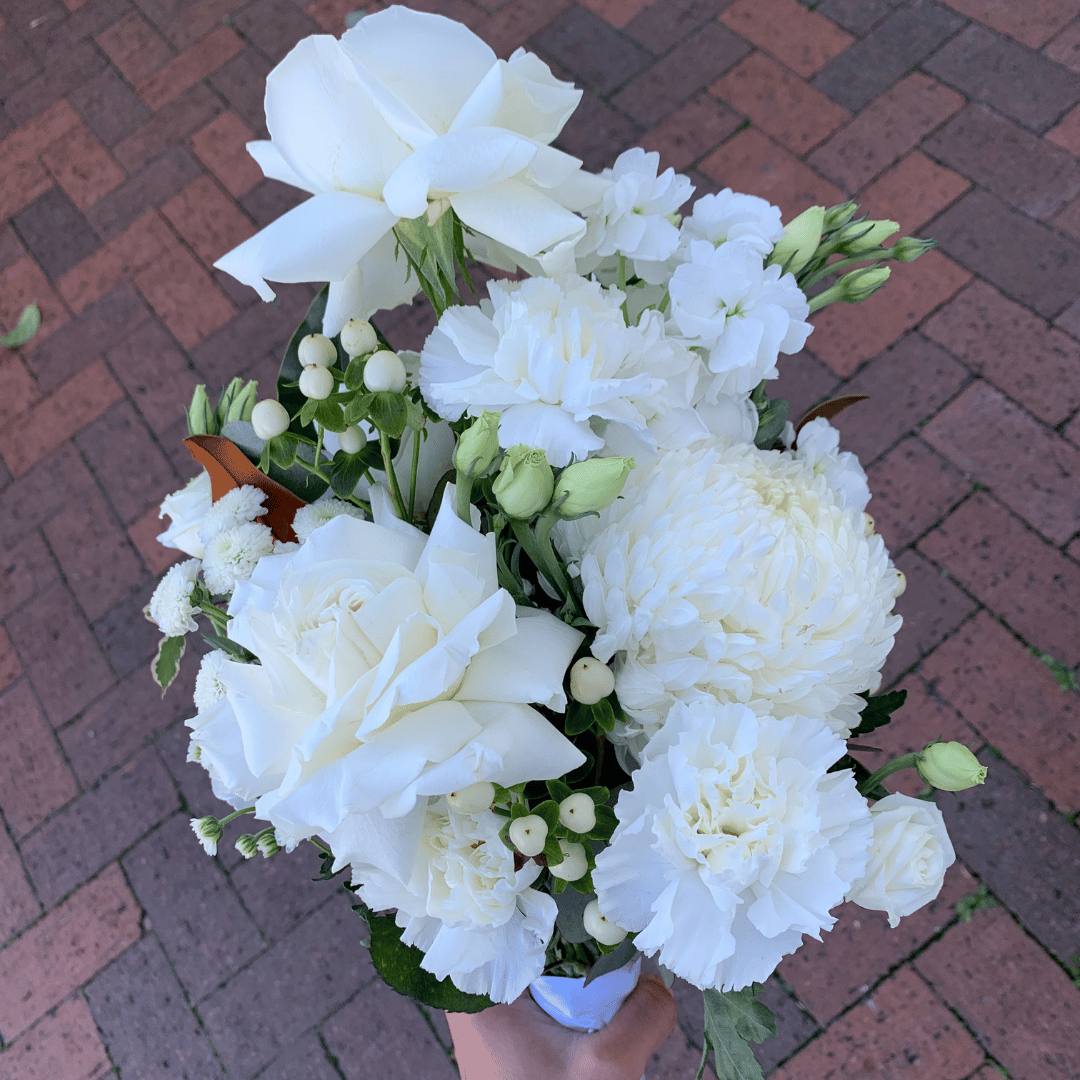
733,1021
24,329
167,661
570,921
622,954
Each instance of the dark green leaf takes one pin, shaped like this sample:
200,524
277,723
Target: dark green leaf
326,865
570,920
578,718
558,790
167,661
552,851
345,472
732,1021
771,422
389,413
354,373
605,823
549,811
331,416
612,959
878,712
283,450
604,715
24,329
307,413
358,408
303,484
233,648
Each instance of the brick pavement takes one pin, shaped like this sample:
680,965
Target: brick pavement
122,177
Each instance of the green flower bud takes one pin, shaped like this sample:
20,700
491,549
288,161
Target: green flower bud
200,417
864,235
909,248
800,240
591,485
861,284
267,842
839,215
247,845
525,482
950,766
209,831
242,404
478,445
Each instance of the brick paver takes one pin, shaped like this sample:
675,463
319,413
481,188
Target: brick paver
124,950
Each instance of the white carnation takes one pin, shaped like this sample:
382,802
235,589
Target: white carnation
734,842
237,506
186,509
462,902
232,554
909,855
208,685
819,447
734,573
170,606
309,518
729,215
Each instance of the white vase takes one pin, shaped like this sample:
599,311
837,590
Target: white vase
581,1007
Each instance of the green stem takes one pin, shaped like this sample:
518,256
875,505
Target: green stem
231,817
906,761
391,476
313,469
417,432
537,544
873,255
320,845
622,289
216,616
318,446
463,496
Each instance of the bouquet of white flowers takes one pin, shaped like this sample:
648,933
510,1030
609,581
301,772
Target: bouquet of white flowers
553,634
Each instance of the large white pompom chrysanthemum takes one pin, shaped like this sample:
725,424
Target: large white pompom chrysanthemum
209,688
734,842
232,554
735,574
237,506
170,606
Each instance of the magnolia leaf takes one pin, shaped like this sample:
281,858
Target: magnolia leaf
878,712
167,661
732,1021
305,485
612,960
24,329
829,409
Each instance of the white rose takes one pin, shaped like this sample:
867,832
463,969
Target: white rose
819,447
909,855
186,509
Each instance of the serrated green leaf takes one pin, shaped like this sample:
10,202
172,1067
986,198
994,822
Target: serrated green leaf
732,1021
167,661
389,413
878,712
24,329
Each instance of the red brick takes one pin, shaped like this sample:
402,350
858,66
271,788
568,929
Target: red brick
35,779
18,906
616,12
596,56
803,40
66,948
143,533
192,65
1069,219
57,417
22,180
23,283
189,23
1065,48
752,162
135,47
18,388
1037,365
596,133
1067,133
912,192
847,334
82,167
10,668
901,1032
1013,700
830,974
885,130
690,132
1022,1006
330,14
274,26
175,121
1033,22
25,569
207,219
184,296
30,138
11,249
1029,467
780,104
221,147
62,1044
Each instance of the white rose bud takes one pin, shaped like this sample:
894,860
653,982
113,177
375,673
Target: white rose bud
384,371
574,865
591,485
316,383
478,445
951,766
269,418
596,926
529,834
358,337
578,813
474,799
591,681
317,350
352,440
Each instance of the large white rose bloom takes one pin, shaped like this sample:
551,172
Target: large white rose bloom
556,358
734,842
819,446
734,573
187,509
909,855
409,110
462,902
393,667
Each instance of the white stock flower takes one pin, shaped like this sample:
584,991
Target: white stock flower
732,418
232,554
170,606
730,215
238,506
733,573
462,902
909,855
724,301
208,685
734,842
557,359
308,518
819,446
409,110
186,509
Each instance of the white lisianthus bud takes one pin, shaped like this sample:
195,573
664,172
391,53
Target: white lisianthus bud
352,440
865,235
529,834
247,845
950,766
574,865
209,832
591,485
525,482
474,799
577,812
269,418
358,337
591,681
317,350
908,248
596,926
267,842
860,284
478,445
384,371
800,240
316,383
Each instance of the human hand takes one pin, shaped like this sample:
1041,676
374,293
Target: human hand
521,1042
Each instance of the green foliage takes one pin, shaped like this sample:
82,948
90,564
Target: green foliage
771,421
878,711
1063,674
326,867
167,661
346,469
233,648
389,413
434,253
966,906
600,717
733,1021
612,958
24,329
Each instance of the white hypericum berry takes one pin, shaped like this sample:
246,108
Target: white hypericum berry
578,812
358,337
474,799
603,930
317,350
352,440
574,865
384,371
529,834
591,681
316,382
269,418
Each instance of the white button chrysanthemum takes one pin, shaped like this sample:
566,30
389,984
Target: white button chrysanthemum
237,506
308,518
819,446
208,685
557,359
233,553
730,215
170,606
735,574
734,842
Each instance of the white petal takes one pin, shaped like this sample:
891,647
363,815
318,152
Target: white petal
549,428
274,166
534,101
517,215
378,282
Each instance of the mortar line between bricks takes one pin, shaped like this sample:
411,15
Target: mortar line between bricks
4,824
115,1071
330,1057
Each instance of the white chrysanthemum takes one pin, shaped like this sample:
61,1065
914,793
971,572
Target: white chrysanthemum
735,574
309,518
724,301
462,902
186,509
233,553
557,359
734,842
819,447
170,606
208,685
237,506
729,215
